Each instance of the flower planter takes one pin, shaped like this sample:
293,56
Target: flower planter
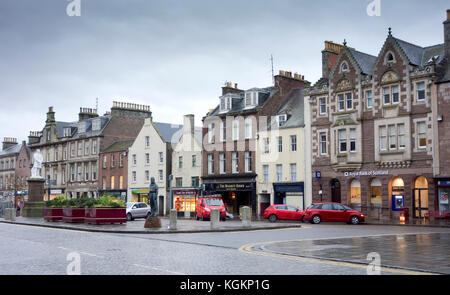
105,215
73,215
53,213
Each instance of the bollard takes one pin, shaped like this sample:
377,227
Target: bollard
173,219
12,214
215,215
7,214
246,217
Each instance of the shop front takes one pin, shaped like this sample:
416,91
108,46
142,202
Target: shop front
139,195
289,193
235,195
119,194
443,192
184,201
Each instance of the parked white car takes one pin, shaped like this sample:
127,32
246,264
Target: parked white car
137,210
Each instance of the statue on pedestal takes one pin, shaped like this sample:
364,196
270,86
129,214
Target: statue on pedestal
37,165
153,197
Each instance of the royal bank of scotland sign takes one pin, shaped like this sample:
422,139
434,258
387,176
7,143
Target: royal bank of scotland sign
366,173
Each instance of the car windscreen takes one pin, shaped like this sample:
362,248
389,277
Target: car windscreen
129,205
214,202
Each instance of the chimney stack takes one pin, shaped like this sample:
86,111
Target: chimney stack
8,142
34,137
329,57
189,126
228,88
50,116
447,36
87,113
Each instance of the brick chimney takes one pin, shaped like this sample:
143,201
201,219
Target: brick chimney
8,142
447,36
130,110
87,113
285,82
228,88
329,57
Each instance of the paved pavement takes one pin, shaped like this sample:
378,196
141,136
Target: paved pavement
416,252
137,226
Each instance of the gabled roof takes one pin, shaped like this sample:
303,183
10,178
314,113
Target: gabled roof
169,132
293,108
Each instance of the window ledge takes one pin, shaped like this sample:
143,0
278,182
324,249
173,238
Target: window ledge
396,152
342,155
390,106
344,112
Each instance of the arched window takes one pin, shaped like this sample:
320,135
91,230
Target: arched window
375,193
355,193
344,67
389,58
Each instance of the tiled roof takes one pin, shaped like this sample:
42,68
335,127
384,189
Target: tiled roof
15,149
119,146
364,60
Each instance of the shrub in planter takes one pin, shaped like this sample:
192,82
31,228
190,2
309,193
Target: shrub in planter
53,210
74,210
106,209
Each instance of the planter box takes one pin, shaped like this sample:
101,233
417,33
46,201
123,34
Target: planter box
105,215
53,214
73,215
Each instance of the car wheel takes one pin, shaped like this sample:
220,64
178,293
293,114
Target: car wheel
272,218
129,217
354,220
316,219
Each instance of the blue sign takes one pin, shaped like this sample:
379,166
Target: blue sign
318,174
444,182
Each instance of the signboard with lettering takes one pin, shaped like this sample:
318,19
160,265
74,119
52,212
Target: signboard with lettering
234,186
366,173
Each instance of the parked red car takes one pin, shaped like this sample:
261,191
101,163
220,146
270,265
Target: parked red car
205,204
318,212
283,212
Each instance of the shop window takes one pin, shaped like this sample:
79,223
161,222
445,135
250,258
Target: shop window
444,192
376,193
420,197
355,193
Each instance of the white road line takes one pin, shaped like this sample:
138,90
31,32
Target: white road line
159,269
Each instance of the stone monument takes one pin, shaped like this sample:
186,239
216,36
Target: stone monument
153,220
35,205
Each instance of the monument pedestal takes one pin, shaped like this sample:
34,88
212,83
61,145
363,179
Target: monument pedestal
35,205
152,222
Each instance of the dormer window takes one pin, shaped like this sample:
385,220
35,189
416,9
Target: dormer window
96,124
282,120
81,127
67,132
251,98
225,103
344,67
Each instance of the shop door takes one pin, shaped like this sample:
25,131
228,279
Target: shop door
335,191
420,202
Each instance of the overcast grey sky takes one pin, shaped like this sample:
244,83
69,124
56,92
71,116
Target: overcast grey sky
176,55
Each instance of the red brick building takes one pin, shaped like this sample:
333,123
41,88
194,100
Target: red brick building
114,169
373,127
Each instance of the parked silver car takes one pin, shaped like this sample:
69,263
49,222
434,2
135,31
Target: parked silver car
137,210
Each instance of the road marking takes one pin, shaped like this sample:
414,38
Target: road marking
159,269
248,249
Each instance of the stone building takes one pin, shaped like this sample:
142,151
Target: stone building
8,162
71,149
441,128
229,139
187,168
151,156
372,133
280,157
